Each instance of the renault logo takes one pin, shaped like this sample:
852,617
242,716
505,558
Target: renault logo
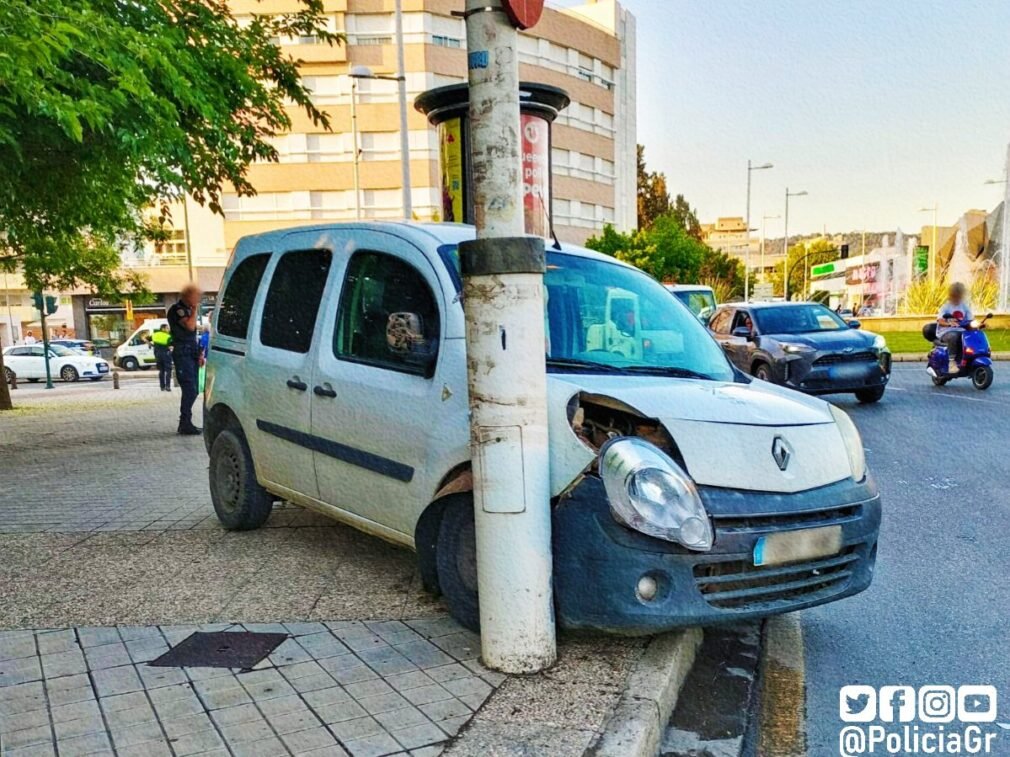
782,452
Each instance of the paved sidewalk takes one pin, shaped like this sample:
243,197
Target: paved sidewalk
339,688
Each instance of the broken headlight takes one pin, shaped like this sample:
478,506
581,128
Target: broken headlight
650,493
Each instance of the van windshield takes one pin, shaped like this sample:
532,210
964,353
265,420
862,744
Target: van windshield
607,318
701,302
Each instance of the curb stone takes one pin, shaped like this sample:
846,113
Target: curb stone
636,726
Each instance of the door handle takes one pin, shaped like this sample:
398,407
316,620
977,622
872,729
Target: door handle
297,383
324,391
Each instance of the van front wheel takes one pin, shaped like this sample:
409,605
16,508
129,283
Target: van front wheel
240,502
457,561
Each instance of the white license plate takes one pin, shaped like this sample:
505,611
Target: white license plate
797,546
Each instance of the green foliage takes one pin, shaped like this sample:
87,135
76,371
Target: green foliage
653,196
798,262
686,216
110,108
925,297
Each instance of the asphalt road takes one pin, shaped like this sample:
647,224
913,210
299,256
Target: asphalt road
937,610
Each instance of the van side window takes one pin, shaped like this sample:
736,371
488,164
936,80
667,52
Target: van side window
720,324
388,316
292,304
237,303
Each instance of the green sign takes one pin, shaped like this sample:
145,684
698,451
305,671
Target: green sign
921,264
824,269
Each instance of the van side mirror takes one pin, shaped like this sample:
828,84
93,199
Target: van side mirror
742,332
854,324
407,343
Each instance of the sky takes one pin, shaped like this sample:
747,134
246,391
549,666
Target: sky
877,109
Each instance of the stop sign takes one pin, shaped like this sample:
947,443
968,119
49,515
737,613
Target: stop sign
523,13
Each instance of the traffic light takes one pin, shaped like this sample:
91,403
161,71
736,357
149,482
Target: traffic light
52,305
844,249
37,301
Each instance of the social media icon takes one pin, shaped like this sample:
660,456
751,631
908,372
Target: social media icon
897,704
976,704
857,704
936,704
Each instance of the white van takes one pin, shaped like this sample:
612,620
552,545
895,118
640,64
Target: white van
337,380
137,352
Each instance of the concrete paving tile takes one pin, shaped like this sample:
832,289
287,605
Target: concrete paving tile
312,738
215,700
370,688
326,751
383,703
238,733
444,673
36,750
67,712
32,719
66,663
124,701
155,678
281,705
296,721
24,737
324,696
138,733
447,708
312,683
426,694
464,686
131,716
357,728
177,727
452,726
339,712
422,734
304,629
56,641
116,681
354,674
271,747
107,656
243,713
70,696
462,645
411,680
373,746
402,718
196,743
428,751
177,708
145,749
92,743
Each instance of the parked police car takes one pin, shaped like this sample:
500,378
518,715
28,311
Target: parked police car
683,493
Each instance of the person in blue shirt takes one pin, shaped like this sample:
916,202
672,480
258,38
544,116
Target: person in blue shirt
186,354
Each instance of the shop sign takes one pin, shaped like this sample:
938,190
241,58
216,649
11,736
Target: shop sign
862,274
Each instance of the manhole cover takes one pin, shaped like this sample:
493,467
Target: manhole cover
226,649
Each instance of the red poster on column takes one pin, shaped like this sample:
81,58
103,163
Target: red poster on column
536,165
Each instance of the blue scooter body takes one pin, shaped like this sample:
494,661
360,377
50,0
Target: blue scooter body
975,353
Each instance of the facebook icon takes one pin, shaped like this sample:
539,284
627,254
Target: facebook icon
897,704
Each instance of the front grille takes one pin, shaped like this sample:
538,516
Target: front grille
740,585
778,521
852,357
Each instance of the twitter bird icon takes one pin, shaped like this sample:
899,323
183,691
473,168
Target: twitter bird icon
857,704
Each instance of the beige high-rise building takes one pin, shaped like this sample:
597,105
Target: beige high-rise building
588,50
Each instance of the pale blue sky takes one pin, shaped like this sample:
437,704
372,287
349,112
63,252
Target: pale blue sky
875,108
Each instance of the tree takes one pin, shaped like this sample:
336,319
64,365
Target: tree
664,250
722,272
653,197
111,109
686,216
799,260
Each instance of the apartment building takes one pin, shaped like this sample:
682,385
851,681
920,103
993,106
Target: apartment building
588,50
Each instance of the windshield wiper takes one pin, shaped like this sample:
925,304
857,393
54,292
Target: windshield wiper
667,370
572,362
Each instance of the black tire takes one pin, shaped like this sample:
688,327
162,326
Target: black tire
96,378
981,377
869,396
938,380
69,373
240,502
34,381
130,363
146,367
763,371
457,561
9,375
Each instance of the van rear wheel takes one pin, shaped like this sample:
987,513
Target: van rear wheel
240,502
457,561
130,364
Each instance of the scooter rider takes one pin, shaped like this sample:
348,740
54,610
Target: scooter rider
948,323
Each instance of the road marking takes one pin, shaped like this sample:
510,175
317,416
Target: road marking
782,731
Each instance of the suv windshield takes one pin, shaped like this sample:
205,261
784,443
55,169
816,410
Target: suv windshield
797,319
604,317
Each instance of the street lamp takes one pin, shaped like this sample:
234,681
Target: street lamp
746,274
932,247
364,72
764,221
785,265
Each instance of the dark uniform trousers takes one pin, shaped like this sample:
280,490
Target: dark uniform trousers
163,359
187,370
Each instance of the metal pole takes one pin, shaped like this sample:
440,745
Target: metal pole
408,207
785,264
45,343
189,246
932,249
746,255
507,380
354,148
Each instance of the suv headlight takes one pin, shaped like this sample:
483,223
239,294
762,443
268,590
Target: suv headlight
853,443
879,343
651,494
793,349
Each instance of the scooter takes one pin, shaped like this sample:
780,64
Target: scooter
976,357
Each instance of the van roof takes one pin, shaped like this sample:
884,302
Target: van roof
421,233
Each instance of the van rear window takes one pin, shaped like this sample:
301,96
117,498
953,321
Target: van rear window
237,303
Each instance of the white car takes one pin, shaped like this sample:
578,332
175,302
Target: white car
29,363
683,491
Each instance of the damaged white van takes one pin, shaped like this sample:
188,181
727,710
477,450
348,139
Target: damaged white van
684,493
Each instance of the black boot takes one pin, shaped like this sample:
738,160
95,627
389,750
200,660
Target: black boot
188,429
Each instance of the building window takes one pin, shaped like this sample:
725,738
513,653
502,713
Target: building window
441,41
366,40
172,248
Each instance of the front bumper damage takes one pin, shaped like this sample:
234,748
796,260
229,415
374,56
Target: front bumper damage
598,563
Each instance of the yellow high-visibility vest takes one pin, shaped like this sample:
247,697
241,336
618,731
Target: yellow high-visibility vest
161,338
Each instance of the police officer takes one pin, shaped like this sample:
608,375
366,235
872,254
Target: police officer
182,318
161,341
